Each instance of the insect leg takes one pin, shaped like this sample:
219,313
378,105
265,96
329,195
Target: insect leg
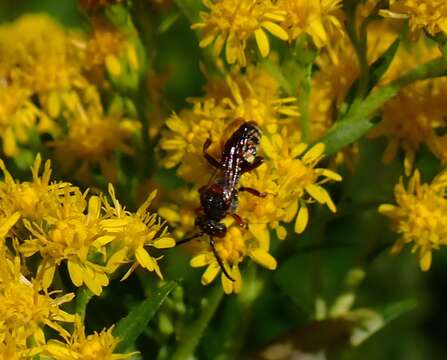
219,260
258,161
253,191
238,220
208,157
189,238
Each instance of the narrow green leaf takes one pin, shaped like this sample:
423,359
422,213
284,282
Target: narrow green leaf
381,65
83,296
131,326
358,119
344,133
394,310
376,71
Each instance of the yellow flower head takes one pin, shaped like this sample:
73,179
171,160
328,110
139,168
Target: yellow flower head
316,18
231,23
38,54
254,96
93,137
73,234
33,200
419,216
133,233
96,346
25,311
232,249
430,15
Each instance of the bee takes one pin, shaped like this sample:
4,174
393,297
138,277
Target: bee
220,197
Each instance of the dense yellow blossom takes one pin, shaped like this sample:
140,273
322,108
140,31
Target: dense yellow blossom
319,19
430,15
420,216
79,346
254,96
93,137
25,310
231,23
412,117
133,233
35,199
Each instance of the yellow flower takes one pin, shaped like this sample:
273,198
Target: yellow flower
232,249
39,55
71,234
18,115
33,200
290,179
419,216
411,119
231,23
254,96
97,346
316,18
25,311
430,15
93,137
133,233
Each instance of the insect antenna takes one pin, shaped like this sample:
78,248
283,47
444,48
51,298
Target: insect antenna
219,260
189,238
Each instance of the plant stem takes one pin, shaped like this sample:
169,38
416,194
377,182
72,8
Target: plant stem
83,297
188,343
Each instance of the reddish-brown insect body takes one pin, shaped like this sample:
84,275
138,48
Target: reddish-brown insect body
220,198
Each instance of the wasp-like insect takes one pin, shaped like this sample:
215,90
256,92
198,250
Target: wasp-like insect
220,197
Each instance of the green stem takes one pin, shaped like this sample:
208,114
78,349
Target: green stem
83,297
188,343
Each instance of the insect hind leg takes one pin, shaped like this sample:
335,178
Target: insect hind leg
219,259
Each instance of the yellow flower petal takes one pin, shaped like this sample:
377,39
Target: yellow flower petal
263,42
207,39
314,153
8,223
329,174
90,281
302,219
164,243
226,284
275,30
200,260
47,275
425,260
144,259
263,258
210,273
113,65
75,272
261,233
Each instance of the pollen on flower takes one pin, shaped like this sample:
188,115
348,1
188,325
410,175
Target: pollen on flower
419,217
232,23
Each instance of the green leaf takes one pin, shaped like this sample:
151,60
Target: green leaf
131,326
381,65
376,71
344,133
396,309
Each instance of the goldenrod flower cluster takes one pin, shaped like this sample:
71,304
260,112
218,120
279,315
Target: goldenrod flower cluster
419,216
231,24
290,176
50,82
58,225
430,15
